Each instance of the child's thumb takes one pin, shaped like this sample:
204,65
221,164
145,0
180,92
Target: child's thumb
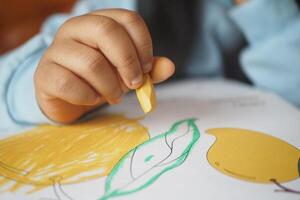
163,68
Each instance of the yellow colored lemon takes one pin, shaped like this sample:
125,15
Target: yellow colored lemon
253,156
68,154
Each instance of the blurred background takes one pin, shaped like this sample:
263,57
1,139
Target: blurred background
20,20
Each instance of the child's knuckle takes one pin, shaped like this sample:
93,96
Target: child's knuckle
63,85
95,64
146,46
129,62
106,26
67,24
132,17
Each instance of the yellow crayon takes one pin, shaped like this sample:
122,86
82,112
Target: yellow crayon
146,95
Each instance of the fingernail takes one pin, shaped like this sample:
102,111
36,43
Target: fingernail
97,100
137,81
147,67
115,101
118,100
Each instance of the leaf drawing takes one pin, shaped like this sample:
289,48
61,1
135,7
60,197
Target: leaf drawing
144,164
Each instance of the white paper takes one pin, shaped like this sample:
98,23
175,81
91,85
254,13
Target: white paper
214,104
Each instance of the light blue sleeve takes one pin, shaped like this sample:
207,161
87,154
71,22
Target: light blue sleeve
272,59
18,105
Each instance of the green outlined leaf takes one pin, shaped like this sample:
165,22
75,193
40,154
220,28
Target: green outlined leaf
143,165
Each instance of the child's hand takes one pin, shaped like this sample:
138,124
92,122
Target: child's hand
94,59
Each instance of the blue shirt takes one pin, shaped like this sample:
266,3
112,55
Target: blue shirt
271,60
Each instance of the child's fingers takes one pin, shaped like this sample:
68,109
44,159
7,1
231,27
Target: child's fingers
57,82
90,65
163,68
138,31
110,37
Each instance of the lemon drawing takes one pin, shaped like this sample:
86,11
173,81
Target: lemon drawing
57,155
254,156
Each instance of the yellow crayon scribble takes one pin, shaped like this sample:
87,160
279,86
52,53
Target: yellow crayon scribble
70,154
